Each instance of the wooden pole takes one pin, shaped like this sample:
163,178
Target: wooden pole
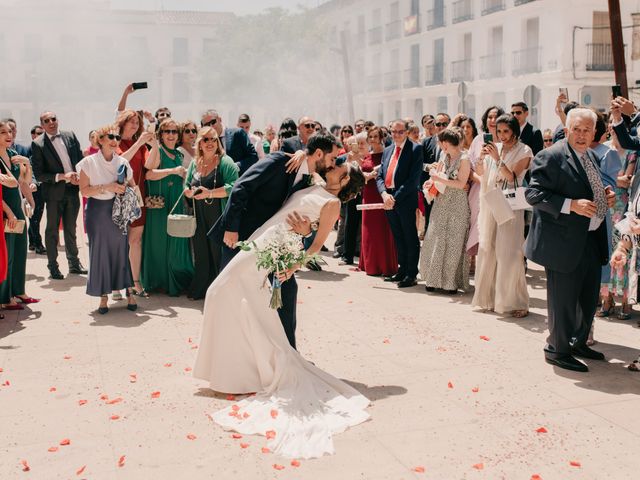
617,46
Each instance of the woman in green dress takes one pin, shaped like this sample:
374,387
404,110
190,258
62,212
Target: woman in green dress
166,261
209,181
15,170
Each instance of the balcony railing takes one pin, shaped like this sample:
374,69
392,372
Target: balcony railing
599,57
527,60
436,18
434,74
375,36
492,66
392,30
462,11
412,78
521,2
462,71
374,84
492,6
391,81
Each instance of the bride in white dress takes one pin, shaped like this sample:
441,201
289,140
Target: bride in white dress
244,349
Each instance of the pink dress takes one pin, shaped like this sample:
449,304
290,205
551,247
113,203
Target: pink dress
474,198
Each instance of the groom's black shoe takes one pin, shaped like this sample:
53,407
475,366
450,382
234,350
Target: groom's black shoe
407,282
586,352
568,363
394,278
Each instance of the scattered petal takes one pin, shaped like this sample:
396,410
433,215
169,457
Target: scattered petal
575,463
114,417
168,364
236,436
349,301
191,436
386,340
1,369
535,476
233,413
479,466
450,385
270,434
419,469
189,340
25,466
104,396
6,383
187,369
121,461
441,349
67,357
53,389
65,442
245,415
155,395
274,413
265,450
295,463
52,449
81,470
195,347
244,445
235,408
475,389
541,430
82,402
133,377
278,467
231,397
485,338
114,401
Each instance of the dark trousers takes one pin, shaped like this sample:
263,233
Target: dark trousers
35,239
66,209
402,220
352,224
339,245
289,291
572,300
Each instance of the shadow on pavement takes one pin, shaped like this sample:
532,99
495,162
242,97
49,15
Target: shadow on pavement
377,392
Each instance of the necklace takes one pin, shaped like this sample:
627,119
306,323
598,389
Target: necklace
209,201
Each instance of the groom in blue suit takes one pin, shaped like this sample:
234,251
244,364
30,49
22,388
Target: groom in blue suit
259,194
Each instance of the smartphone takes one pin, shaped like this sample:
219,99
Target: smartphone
616,91
197,191
487,138
564,91
139,85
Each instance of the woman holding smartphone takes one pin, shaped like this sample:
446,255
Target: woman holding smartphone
209,181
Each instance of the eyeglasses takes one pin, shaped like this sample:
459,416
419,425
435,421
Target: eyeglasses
50,120
209,139
190,130
164,114
359,125
114,136
397,132
548,140
170,132
210,123
441,124
520,112
309,125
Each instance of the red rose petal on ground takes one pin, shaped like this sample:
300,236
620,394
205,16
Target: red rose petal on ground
114,401
475,389
245,415
25,466
235,408
231,397
81,470
133,377
265,450
386,340
104,396
155,395
233,414
450,385
65,441
295,463
1,370
541,430
236,436
574,463
189,340
191,436
349,301
121,461
67,357
52,449
195,347
274,413
278,467
270,434
479,466
53,389
82,402
168,364
418,469
535,476
485,338
244,445
114,417
6,383
187,369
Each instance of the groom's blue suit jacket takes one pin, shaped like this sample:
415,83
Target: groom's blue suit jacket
255,198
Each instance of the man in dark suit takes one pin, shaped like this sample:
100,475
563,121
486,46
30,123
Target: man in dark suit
530,136
259,194
235,141
306,128
430,154
398,182
54,158
569,237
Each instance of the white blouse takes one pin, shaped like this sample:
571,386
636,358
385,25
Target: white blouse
102,172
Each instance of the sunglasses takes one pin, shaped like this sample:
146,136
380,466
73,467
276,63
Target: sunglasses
114,136
210,123
520,112
190,130
548,140
164,114
441,124
209,139
170,132
309,125
50,120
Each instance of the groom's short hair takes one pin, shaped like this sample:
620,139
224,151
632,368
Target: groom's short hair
322,140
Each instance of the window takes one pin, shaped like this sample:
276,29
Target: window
180,52
181,87
414,7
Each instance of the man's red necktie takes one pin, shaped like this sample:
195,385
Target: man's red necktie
388,181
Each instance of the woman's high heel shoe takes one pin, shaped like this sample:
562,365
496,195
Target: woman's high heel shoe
102,310
132,307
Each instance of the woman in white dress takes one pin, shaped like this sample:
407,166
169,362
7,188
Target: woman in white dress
244,349
501,284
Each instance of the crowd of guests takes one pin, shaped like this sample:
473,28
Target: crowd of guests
433,203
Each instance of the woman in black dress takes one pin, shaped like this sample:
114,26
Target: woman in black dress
208,183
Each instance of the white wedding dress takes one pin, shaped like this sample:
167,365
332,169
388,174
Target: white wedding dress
244,349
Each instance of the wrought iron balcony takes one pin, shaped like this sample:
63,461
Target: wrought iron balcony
434,74
412,78
436,18
462,11
492,66
375,36
462,71
527,60
492,6
599,57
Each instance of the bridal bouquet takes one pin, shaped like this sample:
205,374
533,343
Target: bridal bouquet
281,251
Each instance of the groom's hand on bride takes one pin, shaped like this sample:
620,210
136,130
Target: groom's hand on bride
296,160
299,224
230,239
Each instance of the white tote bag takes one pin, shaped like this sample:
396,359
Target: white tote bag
500,208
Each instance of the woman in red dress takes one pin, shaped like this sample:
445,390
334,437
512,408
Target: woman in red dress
378,250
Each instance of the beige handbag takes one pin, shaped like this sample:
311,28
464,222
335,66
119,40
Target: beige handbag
181,225
500,208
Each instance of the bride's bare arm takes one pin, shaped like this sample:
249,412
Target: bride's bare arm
328,216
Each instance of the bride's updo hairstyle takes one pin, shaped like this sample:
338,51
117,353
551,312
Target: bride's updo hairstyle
355,184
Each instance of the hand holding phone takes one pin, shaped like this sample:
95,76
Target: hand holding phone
487,138
616,91
139,85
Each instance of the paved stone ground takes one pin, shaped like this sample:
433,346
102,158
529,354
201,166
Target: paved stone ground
443,398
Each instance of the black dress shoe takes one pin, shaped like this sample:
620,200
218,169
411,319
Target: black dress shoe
568,363
586,352
32,247
336,254
346,261
394,278
324,249
314,266
430,289
78,269
407,282
40,250
55,274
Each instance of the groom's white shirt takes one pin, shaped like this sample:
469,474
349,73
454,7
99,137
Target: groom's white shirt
303,170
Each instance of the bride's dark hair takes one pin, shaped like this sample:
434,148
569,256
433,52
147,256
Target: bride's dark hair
354,185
